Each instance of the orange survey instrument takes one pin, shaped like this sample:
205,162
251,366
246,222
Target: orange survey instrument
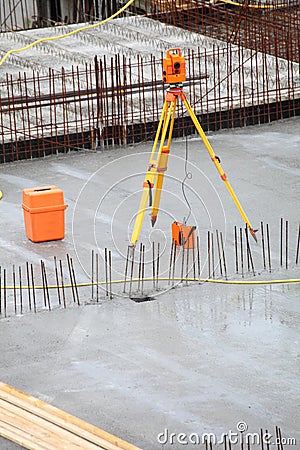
174,74
44,213
174,67
184,235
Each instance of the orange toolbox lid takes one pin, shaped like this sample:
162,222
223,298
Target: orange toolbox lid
43,197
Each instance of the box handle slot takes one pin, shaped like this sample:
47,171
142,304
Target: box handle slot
43,189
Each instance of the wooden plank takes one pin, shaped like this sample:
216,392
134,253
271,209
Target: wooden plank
41,430
20,437
49,419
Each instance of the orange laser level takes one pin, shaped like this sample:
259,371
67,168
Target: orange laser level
174,67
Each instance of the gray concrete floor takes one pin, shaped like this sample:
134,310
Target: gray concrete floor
197,359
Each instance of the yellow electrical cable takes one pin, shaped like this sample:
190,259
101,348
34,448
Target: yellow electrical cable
230,2
202,280
55,38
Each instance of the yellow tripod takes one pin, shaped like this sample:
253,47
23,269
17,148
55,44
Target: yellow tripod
159,159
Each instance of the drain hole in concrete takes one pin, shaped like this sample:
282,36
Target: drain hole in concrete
146,298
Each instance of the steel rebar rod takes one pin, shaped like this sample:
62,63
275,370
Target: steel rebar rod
263,245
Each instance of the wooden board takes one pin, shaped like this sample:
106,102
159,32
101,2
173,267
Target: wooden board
36,425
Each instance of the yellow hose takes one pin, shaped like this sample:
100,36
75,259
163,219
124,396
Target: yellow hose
55,38
201,280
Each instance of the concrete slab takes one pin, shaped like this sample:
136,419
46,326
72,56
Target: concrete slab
198,359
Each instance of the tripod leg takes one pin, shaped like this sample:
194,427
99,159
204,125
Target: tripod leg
217,163
142,208
151,175
162,160
162,120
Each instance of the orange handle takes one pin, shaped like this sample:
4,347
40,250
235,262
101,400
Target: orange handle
173,51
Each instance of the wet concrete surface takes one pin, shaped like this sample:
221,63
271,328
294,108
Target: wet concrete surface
198,359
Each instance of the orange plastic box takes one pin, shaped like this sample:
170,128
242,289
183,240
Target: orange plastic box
182,235
44,213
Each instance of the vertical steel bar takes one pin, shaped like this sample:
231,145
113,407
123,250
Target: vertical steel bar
80,103
71,278
208,254
143,269
262,439
28,285
140,267
64,109
92,275
21,287
10,106
219,253
110,272
223,253
157,264
174,264
62,282
42,132
198,257
286,244
23,113
33,287
187,265
263,244
247,248
277,437
268,247
194,259
126,270
280,439
182,262
14,287
241,252
281,241
171,260
106,271
43,284
236,250
298,246
97,277
249,251
4,292
268,441
153,264
131,270
75,282
15,127
57,281
46,286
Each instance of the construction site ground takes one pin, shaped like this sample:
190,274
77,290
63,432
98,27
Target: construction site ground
199,358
